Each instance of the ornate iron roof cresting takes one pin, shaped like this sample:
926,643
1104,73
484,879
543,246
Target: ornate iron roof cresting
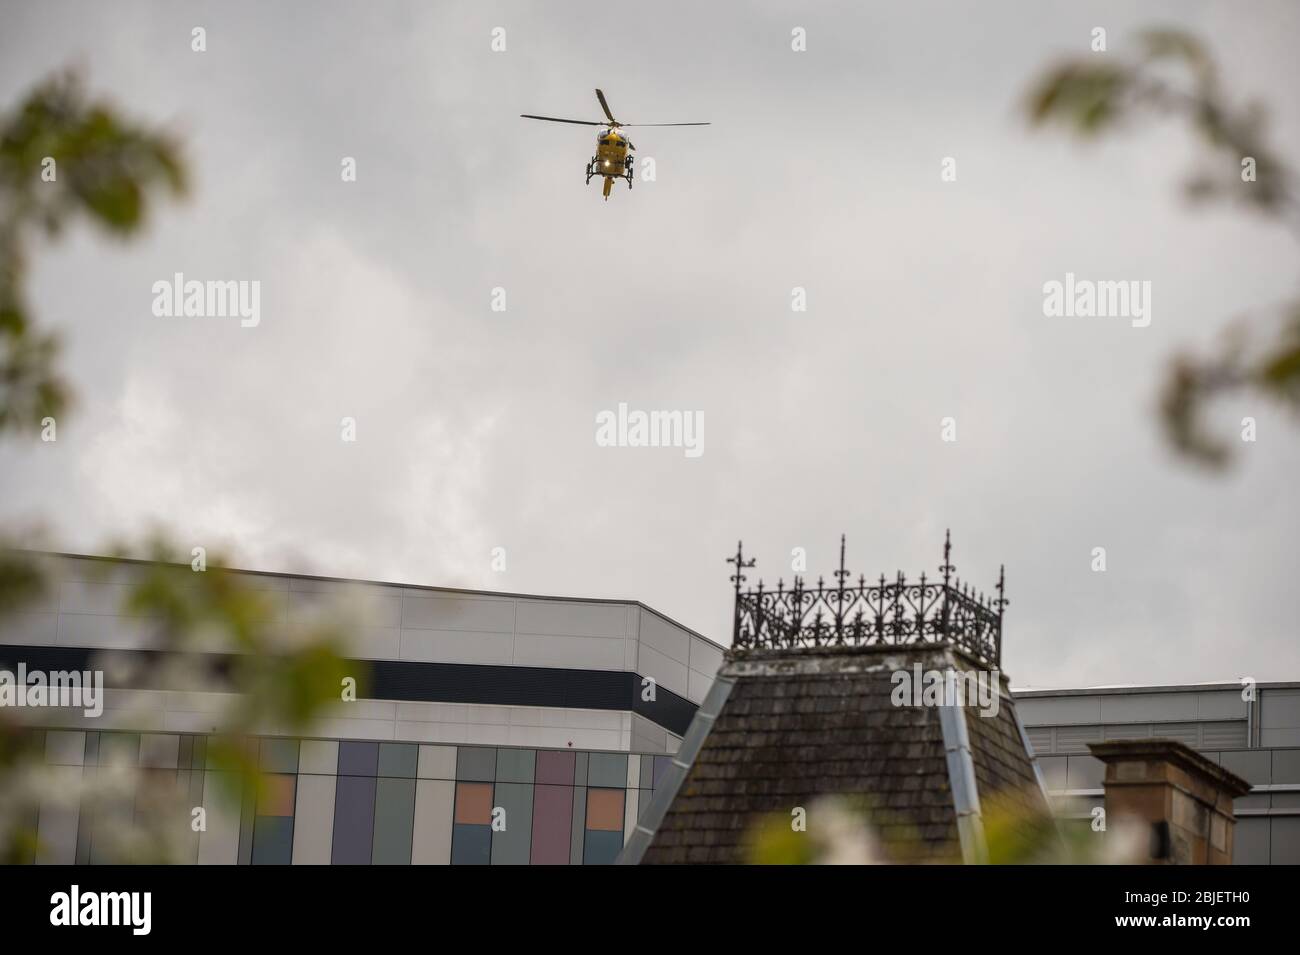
885,612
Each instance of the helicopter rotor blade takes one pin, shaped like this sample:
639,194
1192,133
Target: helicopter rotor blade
667,124
605,106
553,119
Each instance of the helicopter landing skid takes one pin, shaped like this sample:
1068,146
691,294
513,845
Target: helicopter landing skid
627,176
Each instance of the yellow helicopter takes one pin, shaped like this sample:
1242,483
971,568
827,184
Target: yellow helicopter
613,159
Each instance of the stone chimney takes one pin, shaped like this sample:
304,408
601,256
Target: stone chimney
1185,798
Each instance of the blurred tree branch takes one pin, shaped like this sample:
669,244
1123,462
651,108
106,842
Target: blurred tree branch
1172,74
64,158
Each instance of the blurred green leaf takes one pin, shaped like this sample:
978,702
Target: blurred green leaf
1085,95
106,170
21,579
1092,95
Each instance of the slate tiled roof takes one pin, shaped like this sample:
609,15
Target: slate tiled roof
785,727
1002,761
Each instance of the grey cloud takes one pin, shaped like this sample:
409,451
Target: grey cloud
821,171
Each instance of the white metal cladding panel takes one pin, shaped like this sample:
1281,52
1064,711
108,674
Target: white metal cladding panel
421,732
1075,807
1227,734
461,613
1290,736
1187,733
313,822
374,643
30,629
1286,765
705,657
1148,707
666,672
354,729
368,606
47,601
95,571
697,687
647,736
1054,771
431,836
1040,739
59,816
361,710
65,748
463,646
665,639
1221,734
571,618
1252,765
1084,772
1221,705
1279,709
318,756
1250,841
99,597
1285,848
547,737
219,844
252,580
437,762
1057,710
1251,801
630,804
1075,739
107,633
1127,731
578,653
105,597
159,750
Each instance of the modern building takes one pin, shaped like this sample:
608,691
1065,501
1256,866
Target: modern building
1252,730
558,714
536,706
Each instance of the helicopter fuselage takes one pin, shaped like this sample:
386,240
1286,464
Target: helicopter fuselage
613,158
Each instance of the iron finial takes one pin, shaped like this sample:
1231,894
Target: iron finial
842,575
947,568
738,577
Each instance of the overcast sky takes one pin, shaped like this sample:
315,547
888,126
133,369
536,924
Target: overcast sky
475,428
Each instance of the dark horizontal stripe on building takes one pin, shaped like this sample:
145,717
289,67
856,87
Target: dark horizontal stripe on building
441,683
